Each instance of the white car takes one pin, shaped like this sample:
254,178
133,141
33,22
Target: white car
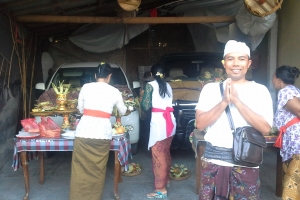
78,74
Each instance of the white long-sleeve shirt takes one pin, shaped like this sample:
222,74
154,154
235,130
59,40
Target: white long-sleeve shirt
98,96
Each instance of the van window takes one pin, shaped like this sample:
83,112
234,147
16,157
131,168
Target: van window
190,66
77,77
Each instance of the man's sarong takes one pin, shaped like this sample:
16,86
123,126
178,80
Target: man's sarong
291,179
234,183
161,162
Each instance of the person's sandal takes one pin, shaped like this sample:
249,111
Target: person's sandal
157,195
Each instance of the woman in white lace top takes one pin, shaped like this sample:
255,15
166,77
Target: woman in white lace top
93,134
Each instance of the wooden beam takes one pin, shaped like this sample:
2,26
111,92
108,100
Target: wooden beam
126,20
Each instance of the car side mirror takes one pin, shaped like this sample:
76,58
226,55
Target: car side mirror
136,84
40,86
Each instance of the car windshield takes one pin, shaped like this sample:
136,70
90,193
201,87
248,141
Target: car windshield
190,68
77,77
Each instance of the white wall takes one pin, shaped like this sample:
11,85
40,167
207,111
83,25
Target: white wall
289,35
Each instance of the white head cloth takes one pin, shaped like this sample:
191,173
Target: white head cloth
233,46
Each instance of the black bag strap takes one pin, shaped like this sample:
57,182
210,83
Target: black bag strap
227,109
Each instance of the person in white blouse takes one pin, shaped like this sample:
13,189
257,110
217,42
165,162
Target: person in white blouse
93,134
158,98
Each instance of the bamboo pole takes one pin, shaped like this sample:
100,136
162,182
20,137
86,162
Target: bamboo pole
14,43
24,82
32,73
1,66
125,20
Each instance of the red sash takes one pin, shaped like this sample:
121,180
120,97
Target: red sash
278,142
167,116
96,113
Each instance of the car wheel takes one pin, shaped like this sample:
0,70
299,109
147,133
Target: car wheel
134,148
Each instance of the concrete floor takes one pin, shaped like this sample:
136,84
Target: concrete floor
57,177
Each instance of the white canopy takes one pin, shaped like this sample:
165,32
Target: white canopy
97,38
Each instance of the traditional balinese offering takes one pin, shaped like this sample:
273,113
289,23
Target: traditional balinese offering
133,170
179,172
61,95
118,128
43,107
61,101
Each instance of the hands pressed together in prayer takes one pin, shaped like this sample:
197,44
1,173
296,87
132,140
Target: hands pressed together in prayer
230,93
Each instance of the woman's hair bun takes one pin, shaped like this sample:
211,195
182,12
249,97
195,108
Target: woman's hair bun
287,74
103,70
295,72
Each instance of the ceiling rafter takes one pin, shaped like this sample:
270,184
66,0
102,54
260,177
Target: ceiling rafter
69,15
125,20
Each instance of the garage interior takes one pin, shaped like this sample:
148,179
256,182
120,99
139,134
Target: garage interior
142,35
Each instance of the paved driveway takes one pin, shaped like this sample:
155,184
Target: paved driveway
57,177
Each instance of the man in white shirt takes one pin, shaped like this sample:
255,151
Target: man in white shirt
251,105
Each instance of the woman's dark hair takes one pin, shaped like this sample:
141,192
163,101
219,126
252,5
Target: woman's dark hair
163,90
147,74
103,70
287,74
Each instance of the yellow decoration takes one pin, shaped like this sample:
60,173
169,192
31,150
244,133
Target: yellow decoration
207,75
61,88
159,74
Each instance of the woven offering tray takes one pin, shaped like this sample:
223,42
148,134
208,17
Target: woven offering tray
134,169
42,114
131,173
64,111
183,177
262,8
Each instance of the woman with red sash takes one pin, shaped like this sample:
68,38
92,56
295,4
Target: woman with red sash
93,134
287,121
158,97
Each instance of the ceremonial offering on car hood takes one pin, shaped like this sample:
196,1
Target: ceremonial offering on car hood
43,107
61,94
179,172
129,101
72,104
61,88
